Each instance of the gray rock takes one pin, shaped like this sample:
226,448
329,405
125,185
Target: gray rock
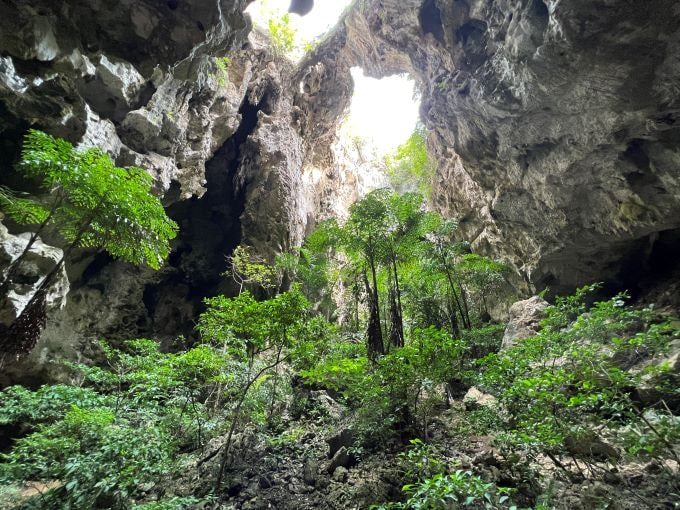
340,474
310,471
329,406
524,320
553,132
475,399
342,438
342,458
29,274
590,445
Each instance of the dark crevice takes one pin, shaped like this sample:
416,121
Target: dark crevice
470,31
635,153
210,229
540,10
101,260
430,17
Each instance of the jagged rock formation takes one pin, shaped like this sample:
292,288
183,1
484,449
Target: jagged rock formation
28,274
524,320
224,141
554,124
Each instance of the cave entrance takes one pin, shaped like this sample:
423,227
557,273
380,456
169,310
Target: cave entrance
383,115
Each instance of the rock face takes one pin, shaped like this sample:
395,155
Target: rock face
189,92
554,124
25,280
139,80
28,275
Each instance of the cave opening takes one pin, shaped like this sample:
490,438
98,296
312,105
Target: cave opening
383,114
309,21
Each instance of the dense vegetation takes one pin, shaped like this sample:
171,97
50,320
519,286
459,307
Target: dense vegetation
390,313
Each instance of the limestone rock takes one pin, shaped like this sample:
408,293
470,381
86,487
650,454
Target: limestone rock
340,474
524,320
553,125
29,274
310,471
328,406
342,459
661,386
476,399
590,445
343,438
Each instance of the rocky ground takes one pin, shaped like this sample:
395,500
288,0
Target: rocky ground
313,464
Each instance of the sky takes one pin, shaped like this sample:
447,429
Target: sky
383,111
323,17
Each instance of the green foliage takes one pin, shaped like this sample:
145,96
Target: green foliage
25,211
410,169
123,428
94,204
247,327
222,64
282,34
434,487
569,383
249,270
400,391
176,503
421,461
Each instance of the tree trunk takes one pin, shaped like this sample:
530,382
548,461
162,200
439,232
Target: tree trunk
374,340
397,333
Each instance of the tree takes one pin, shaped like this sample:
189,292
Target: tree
364,237
92,204
409,224
249,328
246,268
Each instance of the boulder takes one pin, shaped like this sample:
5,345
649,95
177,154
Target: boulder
342,458
590,445
525,317
340,474
29,274
657,387
328,406
310,471
343,438
475,399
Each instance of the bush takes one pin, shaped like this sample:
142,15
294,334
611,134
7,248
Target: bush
125,428
571,383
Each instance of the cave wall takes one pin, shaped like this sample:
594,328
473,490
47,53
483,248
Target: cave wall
554,124
227,151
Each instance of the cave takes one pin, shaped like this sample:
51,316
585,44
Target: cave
420,188
431,19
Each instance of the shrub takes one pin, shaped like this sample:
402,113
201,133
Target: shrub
282,34
123,429
572,379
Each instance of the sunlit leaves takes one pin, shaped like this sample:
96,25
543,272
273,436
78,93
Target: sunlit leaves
94,204
410,169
